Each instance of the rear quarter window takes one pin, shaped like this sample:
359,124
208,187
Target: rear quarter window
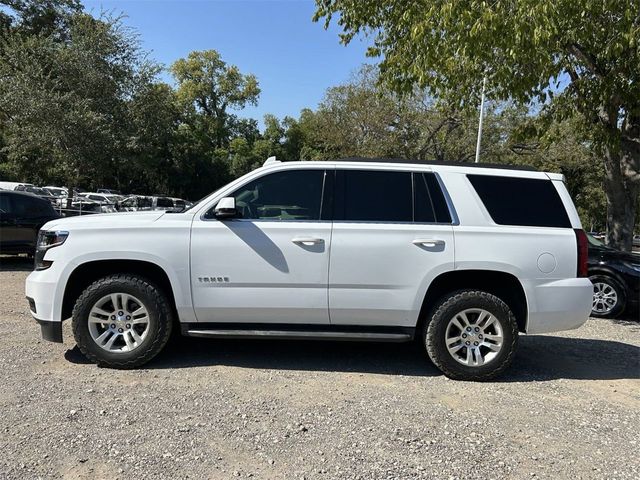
525,202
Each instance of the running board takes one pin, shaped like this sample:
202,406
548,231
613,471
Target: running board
290,333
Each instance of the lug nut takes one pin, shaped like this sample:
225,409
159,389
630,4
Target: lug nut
468,329
475,343
128,317
467,343
113,317
113,325
480,336
128,325
477,329
120,330
464,335
120,313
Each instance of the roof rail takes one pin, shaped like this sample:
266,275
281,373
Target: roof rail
270,160
449,164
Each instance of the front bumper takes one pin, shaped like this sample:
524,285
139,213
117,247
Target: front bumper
51,331
45,299
559,305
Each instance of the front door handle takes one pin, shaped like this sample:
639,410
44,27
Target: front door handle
428,242
308,241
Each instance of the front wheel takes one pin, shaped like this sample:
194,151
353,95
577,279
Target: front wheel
472,335
122,321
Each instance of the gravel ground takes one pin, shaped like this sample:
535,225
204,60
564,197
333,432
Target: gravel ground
567,408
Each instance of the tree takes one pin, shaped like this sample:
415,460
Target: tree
363,118
64,100
38,17
570,55
210,87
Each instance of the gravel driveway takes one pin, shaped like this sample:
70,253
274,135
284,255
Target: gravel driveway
569,407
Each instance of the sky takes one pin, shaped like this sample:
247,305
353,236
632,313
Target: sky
294,59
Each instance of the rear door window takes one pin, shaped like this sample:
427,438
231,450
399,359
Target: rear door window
374,196
429,202
521,201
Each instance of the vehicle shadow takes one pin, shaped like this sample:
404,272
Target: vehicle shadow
15,263
545,357
539,358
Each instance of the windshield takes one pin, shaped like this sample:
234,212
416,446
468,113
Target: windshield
595,242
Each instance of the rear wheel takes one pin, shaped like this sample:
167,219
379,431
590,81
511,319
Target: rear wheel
472,335
608,297
122,321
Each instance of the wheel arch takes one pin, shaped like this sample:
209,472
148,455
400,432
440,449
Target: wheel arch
606,272
87,273
503,285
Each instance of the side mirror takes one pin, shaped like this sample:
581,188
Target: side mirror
226,208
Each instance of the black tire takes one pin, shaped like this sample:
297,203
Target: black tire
434,335
620,292
159,312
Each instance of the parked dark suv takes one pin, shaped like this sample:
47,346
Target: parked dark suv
21,216
616,279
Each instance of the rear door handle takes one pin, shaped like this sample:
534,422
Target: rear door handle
428,242
307,240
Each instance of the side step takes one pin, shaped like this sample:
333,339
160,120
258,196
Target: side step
300,332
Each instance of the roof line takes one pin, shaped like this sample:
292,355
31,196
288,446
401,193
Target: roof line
447,164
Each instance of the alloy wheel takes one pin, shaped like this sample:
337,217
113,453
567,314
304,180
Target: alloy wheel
474,337
118,322
605,298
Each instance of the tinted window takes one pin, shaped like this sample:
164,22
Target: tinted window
422,203
164,202
145,202
521,201
429,202
5,204
25,206
288,195
437,197
376,196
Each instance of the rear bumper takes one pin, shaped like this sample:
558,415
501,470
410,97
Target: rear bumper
559,305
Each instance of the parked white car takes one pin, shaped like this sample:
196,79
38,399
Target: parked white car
110,198
464,258
14,185
58,192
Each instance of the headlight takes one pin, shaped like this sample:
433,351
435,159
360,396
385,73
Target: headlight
46,241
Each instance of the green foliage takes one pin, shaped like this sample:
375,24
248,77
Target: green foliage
80,104
208,86
59,99
363,118
577,58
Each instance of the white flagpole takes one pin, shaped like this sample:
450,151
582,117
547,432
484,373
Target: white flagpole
484,84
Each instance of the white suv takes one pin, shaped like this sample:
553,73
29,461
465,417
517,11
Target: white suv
462,258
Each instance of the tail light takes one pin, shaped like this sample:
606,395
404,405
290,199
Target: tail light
583,252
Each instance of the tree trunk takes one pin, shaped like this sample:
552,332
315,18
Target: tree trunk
622,174
622,200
